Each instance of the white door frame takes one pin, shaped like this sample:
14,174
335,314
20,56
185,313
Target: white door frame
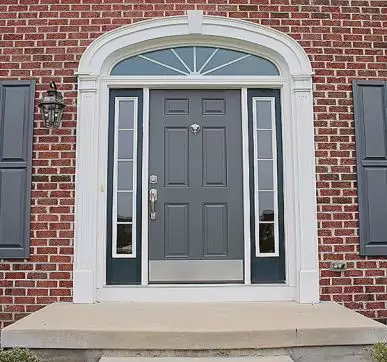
298,144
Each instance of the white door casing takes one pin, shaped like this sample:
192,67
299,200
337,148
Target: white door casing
295,82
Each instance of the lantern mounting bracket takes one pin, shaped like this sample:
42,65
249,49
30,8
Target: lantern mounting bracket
53,85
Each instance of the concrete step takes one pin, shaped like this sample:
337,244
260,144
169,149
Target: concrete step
191,326
201,359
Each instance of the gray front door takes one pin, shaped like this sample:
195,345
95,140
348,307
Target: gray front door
195,166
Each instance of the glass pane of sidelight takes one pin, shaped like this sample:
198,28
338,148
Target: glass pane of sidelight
124,207
266,205
266,238
263,114
124,239
265,144
125,175
126,114
265,175
125,144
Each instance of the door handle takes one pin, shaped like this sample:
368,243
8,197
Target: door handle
152,202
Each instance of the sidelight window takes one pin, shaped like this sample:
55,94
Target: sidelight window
124,171
265,177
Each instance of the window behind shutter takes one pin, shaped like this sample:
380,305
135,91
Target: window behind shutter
370,106
16,128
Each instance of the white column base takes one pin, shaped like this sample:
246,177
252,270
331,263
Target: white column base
84,286
308,287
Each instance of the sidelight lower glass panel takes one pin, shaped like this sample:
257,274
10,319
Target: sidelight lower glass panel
266,238
124,239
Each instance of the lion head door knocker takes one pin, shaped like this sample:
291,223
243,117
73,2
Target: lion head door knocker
195,128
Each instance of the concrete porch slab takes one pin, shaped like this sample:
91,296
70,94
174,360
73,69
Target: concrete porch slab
192,326
190,359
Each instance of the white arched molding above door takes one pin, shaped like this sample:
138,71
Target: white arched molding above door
132,39
295,80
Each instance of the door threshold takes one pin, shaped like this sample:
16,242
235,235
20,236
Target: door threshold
197,293
195,271
196,285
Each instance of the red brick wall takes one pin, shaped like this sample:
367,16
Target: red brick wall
44,40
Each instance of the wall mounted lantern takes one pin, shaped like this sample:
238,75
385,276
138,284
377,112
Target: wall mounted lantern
52,106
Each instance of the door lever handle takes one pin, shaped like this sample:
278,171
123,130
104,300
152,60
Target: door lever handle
152,202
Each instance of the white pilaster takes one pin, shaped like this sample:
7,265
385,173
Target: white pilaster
85,244
305,189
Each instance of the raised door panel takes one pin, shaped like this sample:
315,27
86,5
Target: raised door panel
176,230
214,155
213,106
215,230
175,106
176,156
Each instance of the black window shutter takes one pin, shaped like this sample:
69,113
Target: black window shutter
16,130
370,107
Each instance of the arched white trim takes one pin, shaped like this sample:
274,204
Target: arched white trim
278,47
295,82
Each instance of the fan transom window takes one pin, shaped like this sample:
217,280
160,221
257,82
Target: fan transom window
195,60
